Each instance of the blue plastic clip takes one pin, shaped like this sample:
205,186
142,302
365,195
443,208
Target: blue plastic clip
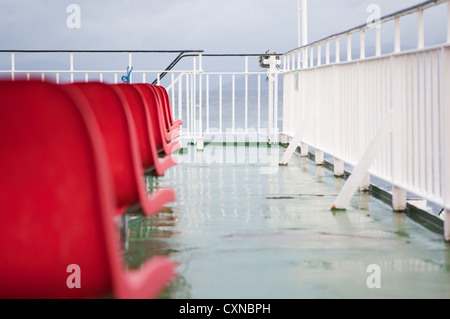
126,78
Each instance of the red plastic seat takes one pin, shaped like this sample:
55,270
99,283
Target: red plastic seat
171,132
165,105
58,202
164,146
145,134
119,132
172,122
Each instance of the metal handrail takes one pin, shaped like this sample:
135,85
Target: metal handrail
386,18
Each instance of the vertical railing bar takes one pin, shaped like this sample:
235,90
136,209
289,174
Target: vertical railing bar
327,52
193,104
382,113
319,55
57,77
362,44
200,99
349,47
378,40
436,117
246,95
421,29
180,97
193,97
13,66
71,67
415,107
259,103
422,127
270,110
275,126
172,92
130,63
383,84
409,120
101,77
220,104
233,102
397,44
448,21
428,123
188,113
207,103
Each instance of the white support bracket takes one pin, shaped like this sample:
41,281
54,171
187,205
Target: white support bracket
297,138
360,171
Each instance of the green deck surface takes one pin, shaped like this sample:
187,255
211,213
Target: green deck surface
244,227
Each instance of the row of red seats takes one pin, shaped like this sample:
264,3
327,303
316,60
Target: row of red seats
73,157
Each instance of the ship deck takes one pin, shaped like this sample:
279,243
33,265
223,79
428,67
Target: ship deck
242,227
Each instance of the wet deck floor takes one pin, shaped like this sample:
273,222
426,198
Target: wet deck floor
244,228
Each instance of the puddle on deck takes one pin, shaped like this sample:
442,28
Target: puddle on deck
242,227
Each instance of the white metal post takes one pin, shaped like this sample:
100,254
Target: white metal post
13,66
338,167
130,64
304,22
327,52
397,34
362,54
421,30
200,141
446,138
71,67
270,113
378,40
246,94
448,21
349,47
299,42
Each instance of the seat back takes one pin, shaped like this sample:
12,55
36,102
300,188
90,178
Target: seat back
163,105
168,108
152,104
119,134
55,194
143,124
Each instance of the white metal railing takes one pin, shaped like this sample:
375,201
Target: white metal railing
213,104
227,106
385,115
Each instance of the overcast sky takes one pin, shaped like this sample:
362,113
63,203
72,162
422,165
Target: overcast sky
211,25
230,26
